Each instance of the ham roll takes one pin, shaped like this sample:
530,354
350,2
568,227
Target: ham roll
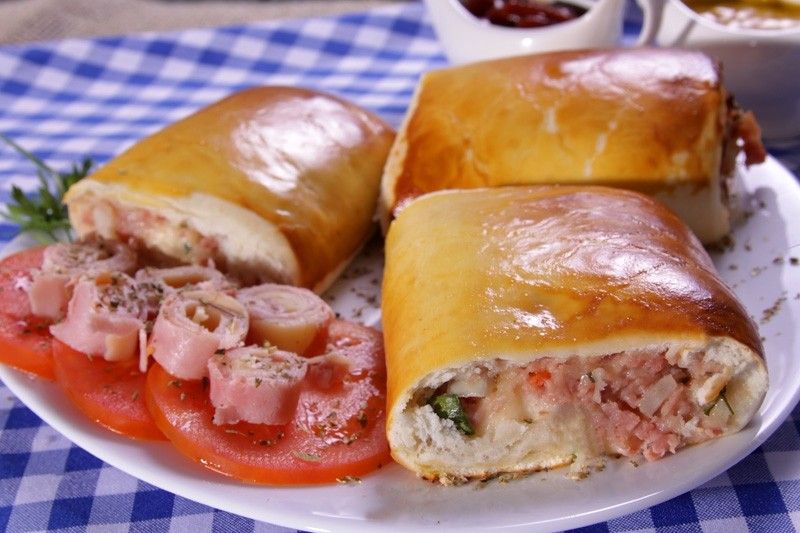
271,184
291,318
186,277
256,385
531,327
657,121
192,326
158,283
50,290
104,317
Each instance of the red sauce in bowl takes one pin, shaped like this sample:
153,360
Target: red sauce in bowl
523,13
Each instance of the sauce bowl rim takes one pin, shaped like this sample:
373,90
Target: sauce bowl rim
748,32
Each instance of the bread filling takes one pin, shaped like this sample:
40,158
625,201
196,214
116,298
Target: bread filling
132,224
636,404
170,231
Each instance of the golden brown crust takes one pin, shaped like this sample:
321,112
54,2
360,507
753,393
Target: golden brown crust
521,273
307,162
643,119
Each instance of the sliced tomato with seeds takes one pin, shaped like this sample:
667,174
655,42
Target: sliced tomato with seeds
25,340
110,393
338,431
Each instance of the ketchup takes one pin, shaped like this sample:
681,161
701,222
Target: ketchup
523,13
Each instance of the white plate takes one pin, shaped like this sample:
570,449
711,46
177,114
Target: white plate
759,269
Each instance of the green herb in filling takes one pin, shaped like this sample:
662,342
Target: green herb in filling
448,406
713,403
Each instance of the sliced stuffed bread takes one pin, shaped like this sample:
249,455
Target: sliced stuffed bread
657,121
272,184
533,327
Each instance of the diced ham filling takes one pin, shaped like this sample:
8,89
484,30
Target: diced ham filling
742,133
637,403
179,243
749,132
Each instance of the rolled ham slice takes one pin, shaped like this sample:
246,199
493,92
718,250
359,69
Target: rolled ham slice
290,318
49,291
255,384
186,277
87,257
191,326
104,317
160,282
48,294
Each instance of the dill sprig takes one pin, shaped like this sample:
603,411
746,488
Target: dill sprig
43,214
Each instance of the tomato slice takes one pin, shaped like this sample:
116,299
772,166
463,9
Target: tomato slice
25,341
338,431
109,393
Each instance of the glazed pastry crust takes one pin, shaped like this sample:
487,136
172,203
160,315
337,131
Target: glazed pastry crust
515,274
644,119
305,163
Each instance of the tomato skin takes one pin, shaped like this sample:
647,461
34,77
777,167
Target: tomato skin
109,393
25,341
338,431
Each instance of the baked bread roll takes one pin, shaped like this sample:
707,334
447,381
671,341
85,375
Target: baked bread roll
271,184
658,121
533,327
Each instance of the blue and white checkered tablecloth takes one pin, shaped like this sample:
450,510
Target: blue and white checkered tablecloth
66,99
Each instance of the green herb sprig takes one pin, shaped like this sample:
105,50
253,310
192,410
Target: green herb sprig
44,214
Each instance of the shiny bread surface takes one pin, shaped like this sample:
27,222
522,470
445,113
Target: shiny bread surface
651,120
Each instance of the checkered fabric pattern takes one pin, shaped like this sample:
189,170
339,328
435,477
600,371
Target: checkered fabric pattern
63,100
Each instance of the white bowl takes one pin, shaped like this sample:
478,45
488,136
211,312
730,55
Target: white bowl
467,38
